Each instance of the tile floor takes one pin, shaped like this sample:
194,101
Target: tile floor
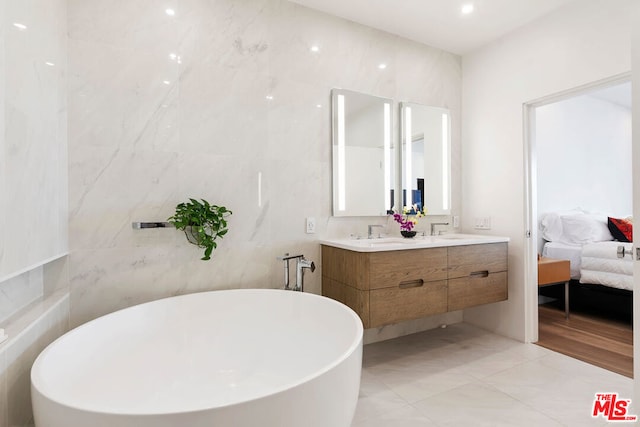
464,376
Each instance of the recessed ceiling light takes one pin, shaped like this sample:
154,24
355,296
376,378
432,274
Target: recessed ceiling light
170,12
319,105
167,82
467,8
269,97
382,66
315,48
20,26
50,64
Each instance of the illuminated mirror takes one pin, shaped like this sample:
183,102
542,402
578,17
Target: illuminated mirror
426,157
363,154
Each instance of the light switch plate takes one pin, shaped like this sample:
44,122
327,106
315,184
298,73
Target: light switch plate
483,223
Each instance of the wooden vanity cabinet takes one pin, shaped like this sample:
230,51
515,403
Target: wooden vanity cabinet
477,274
392,286
389,286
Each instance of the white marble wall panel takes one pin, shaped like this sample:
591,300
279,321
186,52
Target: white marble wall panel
33,138
3,72
248,103
20,291
118,186
20,352
4,410
223,111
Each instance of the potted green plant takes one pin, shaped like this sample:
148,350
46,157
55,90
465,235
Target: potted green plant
202,223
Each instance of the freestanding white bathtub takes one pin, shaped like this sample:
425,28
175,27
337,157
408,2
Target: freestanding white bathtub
241,358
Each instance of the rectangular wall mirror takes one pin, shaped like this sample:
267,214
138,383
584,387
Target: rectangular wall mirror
426,157
363,154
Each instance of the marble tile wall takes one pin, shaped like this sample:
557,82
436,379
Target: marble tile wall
28,334
18,292
33,123
207,103
34,301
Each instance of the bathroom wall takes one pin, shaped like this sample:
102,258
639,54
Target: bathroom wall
208,103
29,333
33,134
580,43
34,300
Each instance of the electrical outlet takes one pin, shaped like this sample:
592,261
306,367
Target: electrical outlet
456,221
311,225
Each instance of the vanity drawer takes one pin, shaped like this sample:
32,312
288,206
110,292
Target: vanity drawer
411,301
471,259
477,289
392,268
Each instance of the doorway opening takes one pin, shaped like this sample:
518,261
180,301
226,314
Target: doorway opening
579,169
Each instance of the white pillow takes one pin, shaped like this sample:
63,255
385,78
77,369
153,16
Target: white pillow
551,224
583,228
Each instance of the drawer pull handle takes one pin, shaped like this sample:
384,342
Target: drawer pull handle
483,273
411,284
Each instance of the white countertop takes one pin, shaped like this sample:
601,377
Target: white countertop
417,242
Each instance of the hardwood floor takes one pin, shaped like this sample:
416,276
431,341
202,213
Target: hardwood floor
596,340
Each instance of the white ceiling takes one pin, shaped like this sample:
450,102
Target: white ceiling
440,23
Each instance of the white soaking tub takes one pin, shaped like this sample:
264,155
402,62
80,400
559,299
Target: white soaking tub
241,358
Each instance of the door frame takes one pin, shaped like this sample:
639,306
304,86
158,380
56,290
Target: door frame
530,192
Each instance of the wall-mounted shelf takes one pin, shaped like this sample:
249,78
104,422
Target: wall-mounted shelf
139,225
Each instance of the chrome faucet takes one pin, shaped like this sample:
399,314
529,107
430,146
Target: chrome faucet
301,264
285,258
433,226
370,230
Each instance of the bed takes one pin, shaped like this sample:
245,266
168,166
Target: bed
596,263
598,247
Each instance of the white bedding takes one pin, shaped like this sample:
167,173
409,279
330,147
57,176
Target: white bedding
596,263
559,250
600,265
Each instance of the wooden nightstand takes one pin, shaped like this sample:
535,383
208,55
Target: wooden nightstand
553,272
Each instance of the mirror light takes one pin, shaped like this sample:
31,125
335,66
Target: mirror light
408,149
445,161
341,156
387,156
